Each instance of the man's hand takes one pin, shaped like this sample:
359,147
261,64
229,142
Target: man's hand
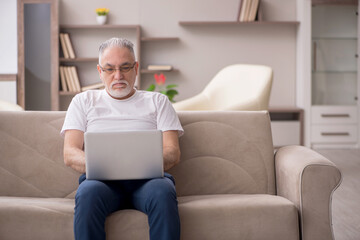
74,155
171,149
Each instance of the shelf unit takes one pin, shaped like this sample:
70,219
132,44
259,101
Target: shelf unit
72,60
230,23
157,39
85,60
150,40
146,71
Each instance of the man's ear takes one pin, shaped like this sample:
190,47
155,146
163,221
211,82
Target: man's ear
136,68
100,71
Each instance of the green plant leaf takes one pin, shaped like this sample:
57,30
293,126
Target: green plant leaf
151,88
163,92
172,92
171,86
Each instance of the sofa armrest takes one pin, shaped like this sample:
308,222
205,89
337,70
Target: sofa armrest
308,179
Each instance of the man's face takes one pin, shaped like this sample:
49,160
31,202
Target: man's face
118,83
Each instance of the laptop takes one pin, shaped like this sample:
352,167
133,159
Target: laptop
123,155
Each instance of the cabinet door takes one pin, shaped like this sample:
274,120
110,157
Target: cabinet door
334,55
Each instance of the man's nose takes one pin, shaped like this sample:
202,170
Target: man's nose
118,74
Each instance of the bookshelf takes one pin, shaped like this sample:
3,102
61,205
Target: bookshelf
146,71
72,60
231,23
157,39
85,40
154,40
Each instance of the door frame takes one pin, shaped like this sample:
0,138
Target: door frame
54,51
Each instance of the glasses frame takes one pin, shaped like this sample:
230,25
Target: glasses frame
121,69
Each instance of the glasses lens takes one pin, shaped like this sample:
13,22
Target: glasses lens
124,69
109,70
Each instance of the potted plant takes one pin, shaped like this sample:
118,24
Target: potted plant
168,90
101,15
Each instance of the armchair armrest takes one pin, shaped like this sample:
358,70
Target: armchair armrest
308,179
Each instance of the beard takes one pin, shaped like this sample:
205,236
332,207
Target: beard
119,92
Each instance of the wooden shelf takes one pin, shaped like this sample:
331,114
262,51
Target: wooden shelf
222,23
155,39
70,60
106,26
63,93
334,2
157,71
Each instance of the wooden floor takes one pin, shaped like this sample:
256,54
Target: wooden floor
346,199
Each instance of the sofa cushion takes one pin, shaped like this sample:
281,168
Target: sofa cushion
36,218
225,153
31,160
229,216
207,217
52,219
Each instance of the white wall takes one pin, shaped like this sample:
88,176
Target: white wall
201,51
8,48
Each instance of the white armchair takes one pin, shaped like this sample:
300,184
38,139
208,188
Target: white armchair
235,87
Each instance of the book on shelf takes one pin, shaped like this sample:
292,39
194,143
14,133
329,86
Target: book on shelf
69,45
248,10
238,15
253,10
66,46
64,86
93,86
75,78
63,46
160,67
243,7
69,79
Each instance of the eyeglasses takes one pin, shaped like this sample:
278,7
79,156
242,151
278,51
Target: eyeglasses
124,68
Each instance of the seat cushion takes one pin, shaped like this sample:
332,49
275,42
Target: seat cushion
36,218
52,219
228,217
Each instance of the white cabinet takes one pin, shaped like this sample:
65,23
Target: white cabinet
334,78
334,125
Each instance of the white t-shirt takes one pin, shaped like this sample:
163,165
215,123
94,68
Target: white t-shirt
97,111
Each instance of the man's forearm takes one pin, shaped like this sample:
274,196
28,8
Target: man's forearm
75,158
171,157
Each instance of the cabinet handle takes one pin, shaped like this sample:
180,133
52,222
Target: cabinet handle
335,134
314,59
335,115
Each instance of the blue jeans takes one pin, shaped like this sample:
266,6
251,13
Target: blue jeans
95,200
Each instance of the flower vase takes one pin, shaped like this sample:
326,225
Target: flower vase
101,19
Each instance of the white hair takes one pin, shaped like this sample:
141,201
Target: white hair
116,42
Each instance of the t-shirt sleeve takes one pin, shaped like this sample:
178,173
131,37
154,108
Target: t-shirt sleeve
75,116
167,119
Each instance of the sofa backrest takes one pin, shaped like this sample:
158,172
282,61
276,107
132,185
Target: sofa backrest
225,153
31,156
222,152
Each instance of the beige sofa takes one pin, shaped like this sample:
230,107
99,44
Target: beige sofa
229,183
